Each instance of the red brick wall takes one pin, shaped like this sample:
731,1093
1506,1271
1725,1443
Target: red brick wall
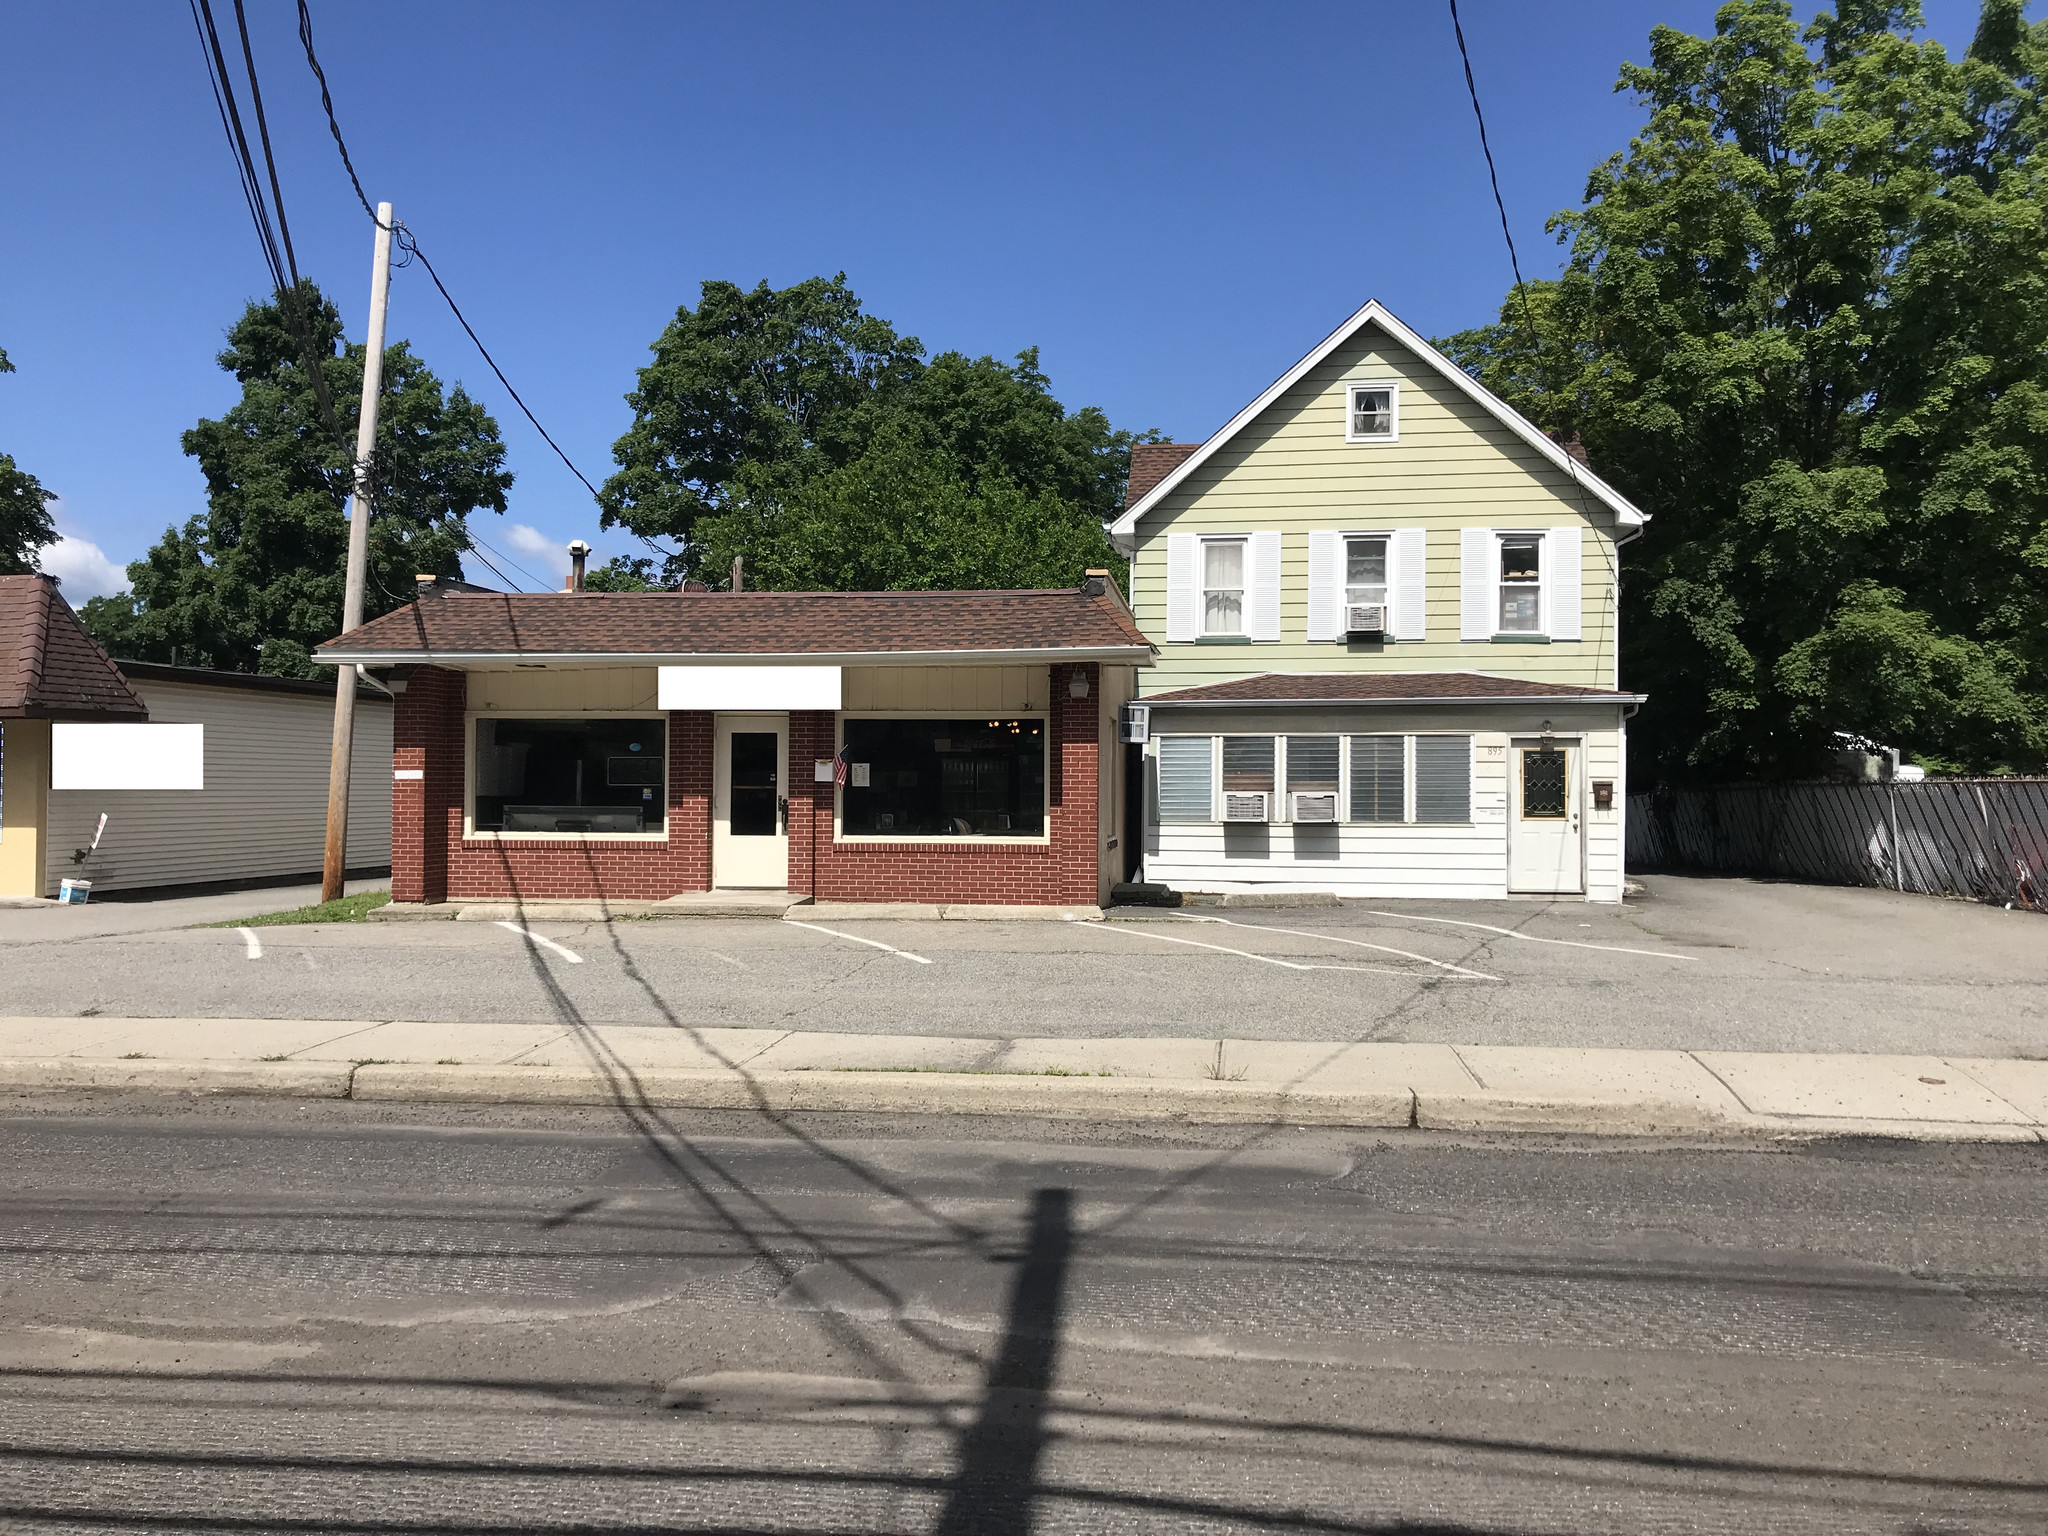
432,861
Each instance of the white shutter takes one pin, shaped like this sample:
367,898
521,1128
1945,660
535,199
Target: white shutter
1477,553
1563,604
1183,555
1265,580
1325,585
1409,581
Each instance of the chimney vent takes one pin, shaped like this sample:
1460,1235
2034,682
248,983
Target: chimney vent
578,553
1095,583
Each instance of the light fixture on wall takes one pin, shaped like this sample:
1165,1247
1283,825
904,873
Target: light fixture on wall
1077,684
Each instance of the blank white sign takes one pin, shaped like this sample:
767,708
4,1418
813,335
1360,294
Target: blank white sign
762,687
127,756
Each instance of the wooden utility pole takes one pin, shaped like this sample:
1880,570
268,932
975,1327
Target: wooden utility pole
345,675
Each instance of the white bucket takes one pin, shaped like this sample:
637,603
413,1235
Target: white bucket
74,893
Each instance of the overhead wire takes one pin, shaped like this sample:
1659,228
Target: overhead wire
406,240
1528,311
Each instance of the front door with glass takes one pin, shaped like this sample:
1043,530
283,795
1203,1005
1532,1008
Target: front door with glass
749,816
1543,819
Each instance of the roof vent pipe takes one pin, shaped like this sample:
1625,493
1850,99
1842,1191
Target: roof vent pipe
578,553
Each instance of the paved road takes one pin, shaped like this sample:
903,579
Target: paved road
252,1316
1698,964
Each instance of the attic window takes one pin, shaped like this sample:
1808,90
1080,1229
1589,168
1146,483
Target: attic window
1374,415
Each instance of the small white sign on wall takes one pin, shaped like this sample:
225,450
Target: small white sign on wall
745,688
84,756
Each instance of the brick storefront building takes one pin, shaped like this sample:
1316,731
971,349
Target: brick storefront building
865,746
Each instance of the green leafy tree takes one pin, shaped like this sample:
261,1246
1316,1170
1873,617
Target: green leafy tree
794,429
25,525
256,581
1804,324
622,574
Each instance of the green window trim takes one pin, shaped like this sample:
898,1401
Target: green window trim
1521,639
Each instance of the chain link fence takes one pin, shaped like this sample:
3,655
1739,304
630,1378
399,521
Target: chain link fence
1978,839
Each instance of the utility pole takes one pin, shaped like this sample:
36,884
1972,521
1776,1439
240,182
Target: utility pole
345,675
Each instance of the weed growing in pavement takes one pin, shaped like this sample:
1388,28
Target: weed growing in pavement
371,1061
349,909
280,1056
447,1061
136,1056
1216,1072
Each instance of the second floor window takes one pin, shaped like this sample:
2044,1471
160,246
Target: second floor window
1521,583
1365,570
1223,586
1374,414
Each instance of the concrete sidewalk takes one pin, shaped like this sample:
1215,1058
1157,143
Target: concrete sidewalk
1486,1088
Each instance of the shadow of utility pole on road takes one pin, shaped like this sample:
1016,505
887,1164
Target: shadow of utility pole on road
1000,1452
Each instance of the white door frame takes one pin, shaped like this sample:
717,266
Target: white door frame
748,863
1568,876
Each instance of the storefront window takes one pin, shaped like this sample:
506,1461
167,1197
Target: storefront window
601,775
944,778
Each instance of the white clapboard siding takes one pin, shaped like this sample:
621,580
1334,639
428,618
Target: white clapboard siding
1183,553
1476,557
1563,602
1325,585
1265,585
263,811
1410,581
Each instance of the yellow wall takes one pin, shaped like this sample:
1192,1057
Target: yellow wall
1455,466
24,805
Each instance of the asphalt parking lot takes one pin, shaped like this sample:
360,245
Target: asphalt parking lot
1693,964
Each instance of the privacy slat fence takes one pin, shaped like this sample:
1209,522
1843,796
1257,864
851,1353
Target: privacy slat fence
1978,839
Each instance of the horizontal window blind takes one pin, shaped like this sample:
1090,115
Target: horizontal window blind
1443,778
1378,778
1248,763
1311,763
1185,791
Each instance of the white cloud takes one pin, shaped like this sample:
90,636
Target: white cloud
84,569
537,546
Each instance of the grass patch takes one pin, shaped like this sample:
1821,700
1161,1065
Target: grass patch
349,909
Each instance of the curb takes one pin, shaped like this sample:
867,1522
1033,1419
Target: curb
1182,1100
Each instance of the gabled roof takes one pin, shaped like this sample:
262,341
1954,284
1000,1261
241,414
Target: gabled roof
863,628
1124,530
50,668
1389,688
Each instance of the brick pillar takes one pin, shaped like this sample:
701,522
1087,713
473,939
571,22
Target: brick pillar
811,733
691,738
1076,785
426,788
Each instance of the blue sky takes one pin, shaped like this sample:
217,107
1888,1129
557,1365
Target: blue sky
1173,202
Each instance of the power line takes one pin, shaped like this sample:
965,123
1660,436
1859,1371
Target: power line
1522,293
407,242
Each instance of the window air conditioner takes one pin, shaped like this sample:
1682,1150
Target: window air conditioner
1318,805
1365,618
1245,805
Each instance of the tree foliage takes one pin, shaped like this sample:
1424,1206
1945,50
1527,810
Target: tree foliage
794,429
255,581
1804,324
25,525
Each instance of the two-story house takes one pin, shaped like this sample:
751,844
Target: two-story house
1385,606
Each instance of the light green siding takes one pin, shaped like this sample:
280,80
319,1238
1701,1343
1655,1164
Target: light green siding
1455,466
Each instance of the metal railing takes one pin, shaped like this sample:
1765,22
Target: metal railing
1978,839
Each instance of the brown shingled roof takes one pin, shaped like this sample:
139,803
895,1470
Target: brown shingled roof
1152,463
50,668
743,624
1376,687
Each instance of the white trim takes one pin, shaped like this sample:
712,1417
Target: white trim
1124,530
1325,584
1564,590
1139,655
1478,583
1393,390
1262,611
1246,582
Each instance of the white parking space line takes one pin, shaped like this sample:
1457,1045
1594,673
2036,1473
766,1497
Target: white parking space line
531,937
728,959
1530,938
1303,933
872,943
252,945
1225,949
